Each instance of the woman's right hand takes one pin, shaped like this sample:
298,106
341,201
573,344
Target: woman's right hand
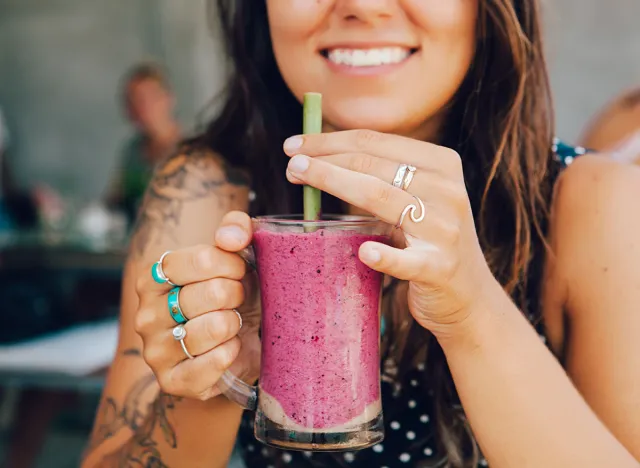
214,282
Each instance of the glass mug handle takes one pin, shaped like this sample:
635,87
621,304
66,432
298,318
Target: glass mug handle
234,388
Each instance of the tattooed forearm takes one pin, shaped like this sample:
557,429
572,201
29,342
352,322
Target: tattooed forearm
143,450
144,412
114,416
187,177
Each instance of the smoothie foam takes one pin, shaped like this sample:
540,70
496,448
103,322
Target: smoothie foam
320,328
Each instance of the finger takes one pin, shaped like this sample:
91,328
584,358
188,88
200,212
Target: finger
385,170
423,261
206,296
198,377
208,331
362,190
234,233
399,149
200,263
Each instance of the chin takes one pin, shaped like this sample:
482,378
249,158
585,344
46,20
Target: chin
377,115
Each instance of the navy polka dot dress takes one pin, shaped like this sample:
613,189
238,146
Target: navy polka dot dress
410,435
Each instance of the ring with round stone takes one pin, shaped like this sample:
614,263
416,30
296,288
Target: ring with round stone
179,334
157,271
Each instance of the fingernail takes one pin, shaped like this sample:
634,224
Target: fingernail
293,143
299,164
371,255
232,232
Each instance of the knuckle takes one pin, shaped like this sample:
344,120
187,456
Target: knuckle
237,296
365,138
141,284
145,320
361,163
213,329
237,266
153,356
226,354
203,260
216,294
450,233
380,194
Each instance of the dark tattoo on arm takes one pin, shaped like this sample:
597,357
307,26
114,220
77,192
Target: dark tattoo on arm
190,176
145,420
142,450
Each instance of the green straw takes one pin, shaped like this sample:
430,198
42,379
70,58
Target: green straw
312,123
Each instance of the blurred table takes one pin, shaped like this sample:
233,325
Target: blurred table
69,253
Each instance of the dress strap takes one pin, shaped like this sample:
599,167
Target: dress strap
566,154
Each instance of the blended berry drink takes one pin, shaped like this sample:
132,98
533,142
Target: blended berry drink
320,375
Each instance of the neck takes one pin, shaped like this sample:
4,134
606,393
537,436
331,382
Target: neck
163,132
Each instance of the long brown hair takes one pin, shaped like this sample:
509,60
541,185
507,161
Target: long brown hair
501,123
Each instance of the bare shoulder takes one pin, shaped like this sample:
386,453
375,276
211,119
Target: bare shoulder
188,195
595,226
594,188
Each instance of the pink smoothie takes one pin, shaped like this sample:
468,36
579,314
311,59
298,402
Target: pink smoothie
320,325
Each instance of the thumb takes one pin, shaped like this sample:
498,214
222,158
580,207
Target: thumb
234,232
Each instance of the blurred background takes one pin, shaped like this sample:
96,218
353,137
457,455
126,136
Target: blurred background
92,93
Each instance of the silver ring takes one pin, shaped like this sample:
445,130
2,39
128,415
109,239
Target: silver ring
160,270
411,209
400,175
408,177
239,317
179,334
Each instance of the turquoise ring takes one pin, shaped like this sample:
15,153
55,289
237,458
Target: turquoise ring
173,302
157,271
157,275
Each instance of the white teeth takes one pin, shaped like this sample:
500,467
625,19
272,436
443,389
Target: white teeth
368,57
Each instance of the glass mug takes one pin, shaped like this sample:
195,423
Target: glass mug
319,386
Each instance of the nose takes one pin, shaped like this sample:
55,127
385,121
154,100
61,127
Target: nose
366,11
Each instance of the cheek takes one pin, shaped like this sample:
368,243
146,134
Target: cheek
293,25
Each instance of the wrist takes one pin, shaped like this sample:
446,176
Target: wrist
483,318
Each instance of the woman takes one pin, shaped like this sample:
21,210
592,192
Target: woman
464,83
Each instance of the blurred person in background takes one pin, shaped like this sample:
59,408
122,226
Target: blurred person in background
616,128
149,104
515,246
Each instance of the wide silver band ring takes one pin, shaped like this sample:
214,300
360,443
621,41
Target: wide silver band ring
404,176
179,334
160,269
400,175
411,209
408,177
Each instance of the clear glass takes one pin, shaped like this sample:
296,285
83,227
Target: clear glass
319,385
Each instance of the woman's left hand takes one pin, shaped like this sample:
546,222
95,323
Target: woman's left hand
449,277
